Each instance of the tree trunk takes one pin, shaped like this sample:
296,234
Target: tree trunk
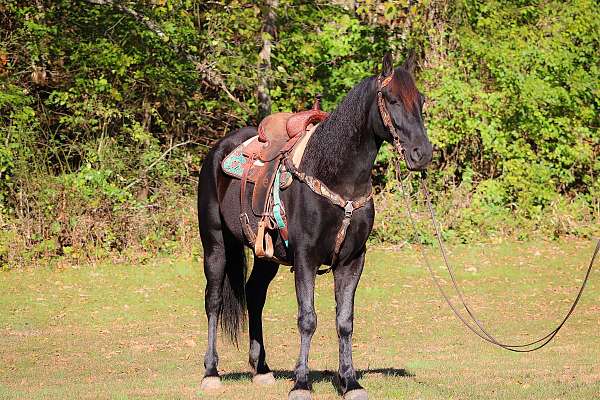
264,57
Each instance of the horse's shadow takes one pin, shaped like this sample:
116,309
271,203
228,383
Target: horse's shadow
323,375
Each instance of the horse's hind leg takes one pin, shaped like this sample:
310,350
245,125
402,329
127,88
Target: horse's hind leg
346,277
214,270
224,268
262,274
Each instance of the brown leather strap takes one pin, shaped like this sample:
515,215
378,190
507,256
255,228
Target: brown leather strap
385,115
339,239
263,187
322,190
246,228
348,205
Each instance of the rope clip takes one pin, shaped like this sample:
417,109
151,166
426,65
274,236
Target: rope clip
348,209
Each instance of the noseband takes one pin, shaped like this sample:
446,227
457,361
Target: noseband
385,115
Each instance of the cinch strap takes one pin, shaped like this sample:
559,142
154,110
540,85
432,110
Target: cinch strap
277,208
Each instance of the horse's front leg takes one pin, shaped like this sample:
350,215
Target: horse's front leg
346,277
304,275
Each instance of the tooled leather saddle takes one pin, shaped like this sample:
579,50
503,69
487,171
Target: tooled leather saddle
259,160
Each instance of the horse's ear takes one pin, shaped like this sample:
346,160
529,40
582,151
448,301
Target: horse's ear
388,65
410,62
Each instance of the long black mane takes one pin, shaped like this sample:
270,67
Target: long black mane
333,134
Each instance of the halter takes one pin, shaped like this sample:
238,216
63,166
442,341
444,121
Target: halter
385,115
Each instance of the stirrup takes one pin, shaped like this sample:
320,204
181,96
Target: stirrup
263,247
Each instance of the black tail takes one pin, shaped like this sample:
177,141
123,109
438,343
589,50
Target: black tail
233,306
220,245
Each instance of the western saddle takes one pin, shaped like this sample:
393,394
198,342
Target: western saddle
261,160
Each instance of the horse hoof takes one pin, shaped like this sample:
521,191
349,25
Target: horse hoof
263,379
356,394
211,384
299,394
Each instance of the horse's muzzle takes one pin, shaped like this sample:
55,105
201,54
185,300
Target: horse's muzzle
418,157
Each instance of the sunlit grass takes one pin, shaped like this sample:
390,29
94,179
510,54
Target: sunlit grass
128,332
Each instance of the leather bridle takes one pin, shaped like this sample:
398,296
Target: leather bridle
385,115
348,205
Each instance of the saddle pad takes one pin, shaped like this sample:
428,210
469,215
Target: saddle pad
233,165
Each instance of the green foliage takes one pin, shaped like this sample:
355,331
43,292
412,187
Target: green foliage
328,52
110,113
514,106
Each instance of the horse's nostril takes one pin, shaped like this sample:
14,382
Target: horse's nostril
416,154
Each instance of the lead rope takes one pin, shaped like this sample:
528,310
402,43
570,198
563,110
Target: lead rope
481,332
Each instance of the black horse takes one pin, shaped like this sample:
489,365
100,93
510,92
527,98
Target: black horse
340,154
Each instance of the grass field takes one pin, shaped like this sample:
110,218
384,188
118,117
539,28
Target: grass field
131,331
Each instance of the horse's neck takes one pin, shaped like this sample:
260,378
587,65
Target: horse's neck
342,151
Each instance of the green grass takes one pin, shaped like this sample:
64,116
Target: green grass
131,332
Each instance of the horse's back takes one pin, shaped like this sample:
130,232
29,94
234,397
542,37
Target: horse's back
212,162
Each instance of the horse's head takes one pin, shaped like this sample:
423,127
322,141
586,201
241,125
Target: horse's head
400,106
